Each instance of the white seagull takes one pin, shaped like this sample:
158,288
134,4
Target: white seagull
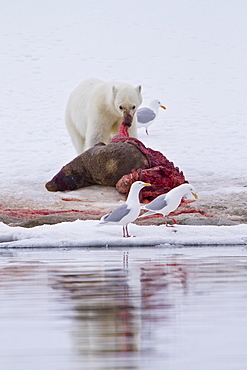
146,116
127,212
167,203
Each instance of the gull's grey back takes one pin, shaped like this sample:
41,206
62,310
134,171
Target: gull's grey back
157,204
144,115
117,214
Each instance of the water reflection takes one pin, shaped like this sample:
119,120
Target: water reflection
124,309
104,310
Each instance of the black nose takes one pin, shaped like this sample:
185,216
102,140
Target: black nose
128,120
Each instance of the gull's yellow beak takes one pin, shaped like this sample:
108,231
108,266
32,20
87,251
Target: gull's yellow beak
195,195
162,106
147,184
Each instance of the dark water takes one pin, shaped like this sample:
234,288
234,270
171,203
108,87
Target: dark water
136,308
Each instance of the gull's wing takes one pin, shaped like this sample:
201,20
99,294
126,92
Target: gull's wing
118,214
157,204
145,115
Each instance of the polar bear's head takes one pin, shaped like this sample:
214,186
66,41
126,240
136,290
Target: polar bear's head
126,101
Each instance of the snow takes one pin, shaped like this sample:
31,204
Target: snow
86,234
190,55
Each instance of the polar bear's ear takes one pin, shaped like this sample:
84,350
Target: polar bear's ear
114,91
138,88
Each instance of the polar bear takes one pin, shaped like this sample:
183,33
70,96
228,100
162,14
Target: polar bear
95,110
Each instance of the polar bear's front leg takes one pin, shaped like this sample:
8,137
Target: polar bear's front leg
96,132
133,128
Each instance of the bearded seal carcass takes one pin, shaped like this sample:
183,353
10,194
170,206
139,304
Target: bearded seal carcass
100,165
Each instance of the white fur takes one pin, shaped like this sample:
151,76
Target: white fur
93,113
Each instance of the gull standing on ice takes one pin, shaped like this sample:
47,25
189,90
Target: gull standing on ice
127,212
167,203
146,116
